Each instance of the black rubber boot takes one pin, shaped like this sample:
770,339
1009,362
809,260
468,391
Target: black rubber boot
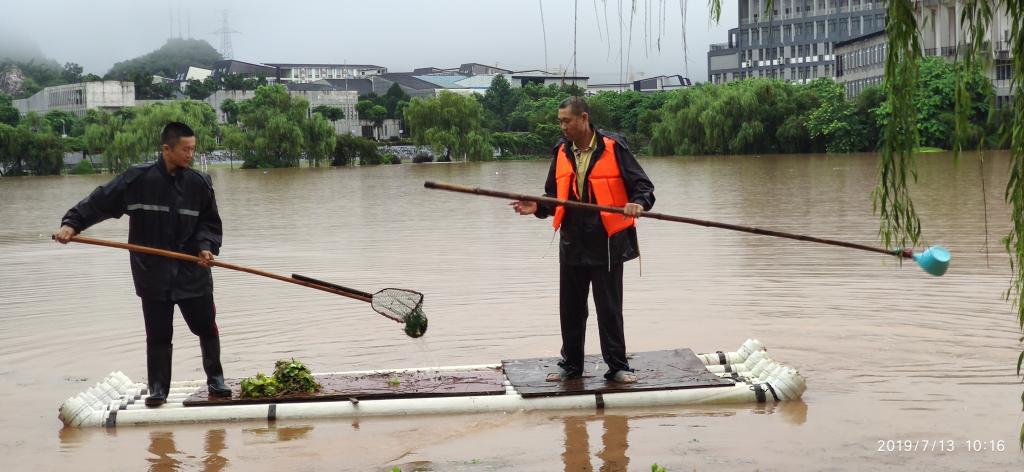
158,365
210,345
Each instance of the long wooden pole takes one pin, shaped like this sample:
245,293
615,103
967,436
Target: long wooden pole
354,294
906,253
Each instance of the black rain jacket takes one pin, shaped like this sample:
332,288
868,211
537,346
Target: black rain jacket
173,212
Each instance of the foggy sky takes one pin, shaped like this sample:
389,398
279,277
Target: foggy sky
399,35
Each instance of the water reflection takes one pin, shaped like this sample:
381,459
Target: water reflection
161,445
275,434
213,445
793,412
71,438
576,456
615,431
165,454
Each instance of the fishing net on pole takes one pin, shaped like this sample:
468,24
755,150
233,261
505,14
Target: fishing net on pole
397,304
403,306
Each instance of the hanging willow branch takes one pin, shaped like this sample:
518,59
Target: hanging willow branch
1015,187
900,224
975,21
972,58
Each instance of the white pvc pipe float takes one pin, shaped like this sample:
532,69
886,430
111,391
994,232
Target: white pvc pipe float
749,347
119,401
746,365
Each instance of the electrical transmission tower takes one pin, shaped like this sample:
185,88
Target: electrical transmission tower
225,33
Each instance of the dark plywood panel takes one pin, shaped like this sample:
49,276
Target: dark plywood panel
374,386
657,370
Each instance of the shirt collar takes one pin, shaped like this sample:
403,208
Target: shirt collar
593,141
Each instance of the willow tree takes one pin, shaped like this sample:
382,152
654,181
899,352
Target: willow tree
272,129
975,20
450,124
900,225
138,139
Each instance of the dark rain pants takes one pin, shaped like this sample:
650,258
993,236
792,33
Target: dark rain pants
575,282
200,315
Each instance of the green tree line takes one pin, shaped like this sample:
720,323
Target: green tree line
754,116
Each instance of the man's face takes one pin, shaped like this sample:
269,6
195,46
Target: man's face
180,155
574,127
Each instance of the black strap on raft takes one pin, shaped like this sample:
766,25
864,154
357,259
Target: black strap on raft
111,419
272,412
600,400
758,392
721,357
728,368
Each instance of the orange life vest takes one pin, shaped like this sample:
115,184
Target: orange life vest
605,184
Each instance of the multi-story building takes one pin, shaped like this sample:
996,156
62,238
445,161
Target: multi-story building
300,73
794,41
107,95
861,60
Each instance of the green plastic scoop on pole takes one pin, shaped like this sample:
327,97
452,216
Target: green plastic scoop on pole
934,260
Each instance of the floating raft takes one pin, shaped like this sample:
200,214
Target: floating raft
675,377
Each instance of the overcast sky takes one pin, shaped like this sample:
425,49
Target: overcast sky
399,35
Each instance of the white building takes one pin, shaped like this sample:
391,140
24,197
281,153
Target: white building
939,23
860,62
108,95
794,41
193,73
301,73
344,99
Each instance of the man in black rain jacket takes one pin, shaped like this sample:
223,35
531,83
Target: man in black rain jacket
170,206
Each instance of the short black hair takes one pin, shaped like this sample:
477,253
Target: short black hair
174,131
577,105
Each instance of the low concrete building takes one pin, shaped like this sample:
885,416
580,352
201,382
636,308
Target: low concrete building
344,99
107,95
651,84
661,83
520,79
473,68
390,128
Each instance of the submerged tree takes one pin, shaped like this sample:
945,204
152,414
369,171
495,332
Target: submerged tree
451,125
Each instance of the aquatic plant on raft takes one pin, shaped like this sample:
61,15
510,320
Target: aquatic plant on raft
290,377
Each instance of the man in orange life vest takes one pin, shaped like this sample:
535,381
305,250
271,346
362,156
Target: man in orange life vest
592,167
